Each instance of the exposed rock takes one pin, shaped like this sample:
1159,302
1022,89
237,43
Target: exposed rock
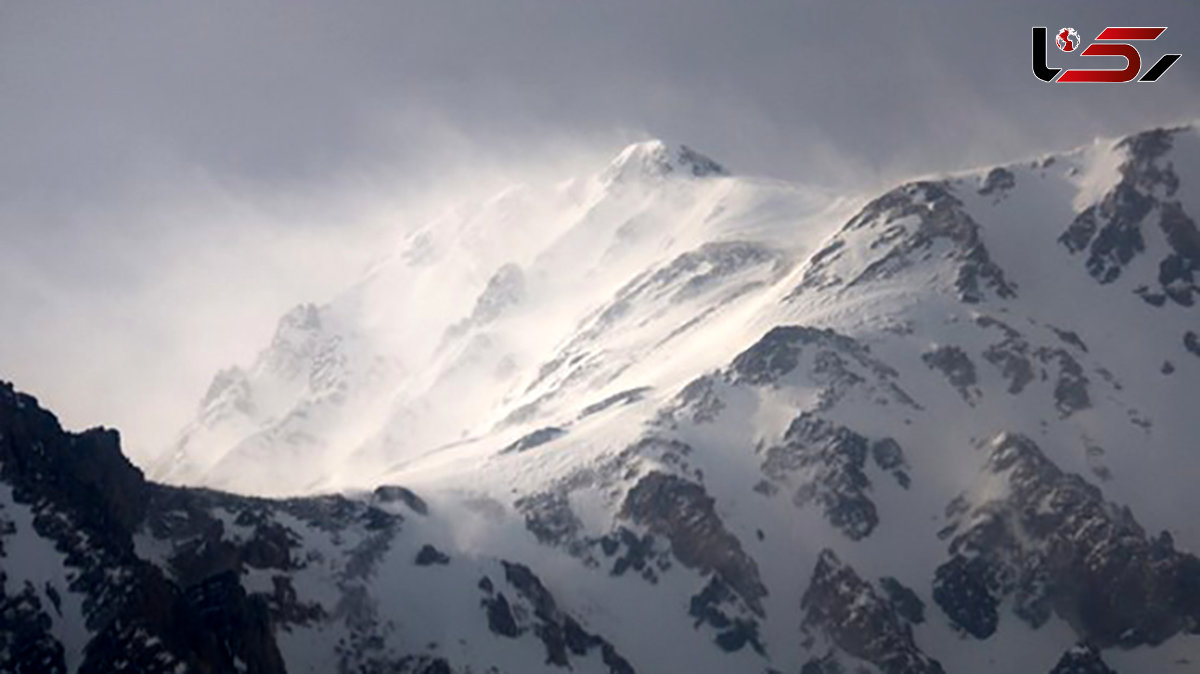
684,514
958,368
26,644
1082,659
831,462
429,555
625,397
1111,230
941,219
549,517
997,181
1055,545
733,632
1191,342
1016,358
560,633
846,608
1010,355
906,602
698,402
393,493
1179,271
840,364
539,437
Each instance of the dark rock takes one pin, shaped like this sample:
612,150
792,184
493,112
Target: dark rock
1056,546
839,603
1191,342
733,632
227,623
956,365
500,617
393,493
941,218
1082,659
1111,230
833,460
997,181
1070,337
906,602
684,514
626,397
539,437
1011,355
429,555
560,633
961,589
778,353
26,644
1179,272
548,516
698,402
840,364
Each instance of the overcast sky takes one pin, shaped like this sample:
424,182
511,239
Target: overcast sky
175,175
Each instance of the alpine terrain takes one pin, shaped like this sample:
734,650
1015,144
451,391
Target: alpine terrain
668,419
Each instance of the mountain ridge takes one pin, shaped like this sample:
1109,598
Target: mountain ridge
704,423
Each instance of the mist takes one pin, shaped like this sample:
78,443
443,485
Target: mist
174,177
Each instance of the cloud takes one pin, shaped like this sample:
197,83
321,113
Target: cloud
173,176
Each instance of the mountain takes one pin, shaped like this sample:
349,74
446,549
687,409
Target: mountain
666,418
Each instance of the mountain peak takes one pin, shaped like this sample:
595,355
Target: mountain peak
656,159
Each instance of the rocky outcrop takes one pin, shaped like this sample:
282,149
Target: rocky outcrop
1112,234
1083,659
429,555
1055,546
838,363
831,462
684,514
958,369
906,224
189,607
535,439
860,621
534,610
88,499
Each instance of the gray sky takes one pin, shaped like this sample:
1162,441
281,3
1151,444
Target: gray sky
174,175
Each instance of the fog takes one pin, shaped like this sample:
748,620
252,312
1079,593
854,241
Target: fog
173,177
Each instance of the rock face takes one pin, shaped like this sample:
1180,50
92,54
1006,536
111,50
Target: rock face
1083,659
907,225
87,499
1112,231
1057,547
684,514
860,621
833,461
164,579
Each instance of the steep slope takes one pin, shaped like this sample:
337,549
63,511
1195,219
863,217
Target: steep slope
499,315
669,419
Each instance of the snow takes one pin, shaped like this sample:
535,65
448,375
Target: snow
31,559
612,302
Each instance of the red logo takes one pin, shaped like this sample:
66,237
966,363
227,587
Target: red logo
1112,41
1067,39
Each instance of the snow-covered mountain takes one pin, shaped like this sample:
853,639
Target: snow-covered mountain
668,419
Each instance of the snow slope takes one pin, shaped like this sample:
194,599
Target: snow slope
666,419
